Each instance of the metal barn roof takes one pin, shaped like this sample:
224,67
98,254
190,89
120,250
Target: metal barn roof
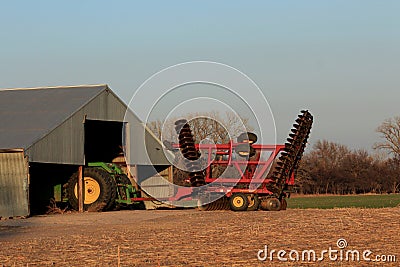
27,115
47,123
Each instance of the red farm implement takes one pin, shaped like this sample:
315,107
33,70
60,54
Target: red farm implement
242,175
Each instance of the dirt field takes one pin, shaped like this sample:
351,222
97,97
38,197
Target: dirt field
195,238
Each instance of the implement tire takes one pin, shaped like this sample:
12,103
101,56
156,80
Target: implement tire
245,150
270,204
254,202
238,202
247,138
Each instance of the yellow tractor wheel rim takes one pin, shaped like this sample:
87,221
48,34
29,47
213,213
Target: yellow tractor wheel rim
92,190
238,201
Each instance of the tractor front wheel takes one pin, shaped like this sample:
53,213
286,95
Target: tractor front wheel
100,190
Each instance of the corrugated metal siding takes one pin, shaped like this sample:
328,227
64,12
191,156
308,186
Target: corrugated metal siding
65,144
159,185
14,185
145,148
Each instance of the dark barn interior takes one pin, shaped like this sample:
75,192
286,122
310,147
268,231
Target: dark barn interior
103,140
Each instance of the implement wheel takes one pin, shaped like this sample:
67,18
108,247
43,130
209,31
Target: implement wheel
271,204
100,190
245,150
254,202
247,138
238,202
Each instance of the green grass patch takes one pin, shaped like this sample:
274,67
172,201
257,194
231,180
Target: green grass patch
358,201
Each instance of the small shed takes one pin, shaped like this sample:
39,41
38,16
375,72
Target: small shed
47,132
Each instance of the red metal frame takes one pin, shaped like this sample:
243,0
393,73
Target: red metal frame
255,172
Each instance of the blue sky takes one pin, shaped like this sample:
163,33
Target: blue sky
340,59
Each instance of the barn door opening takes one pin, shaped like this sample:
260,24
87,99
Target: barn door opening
103,140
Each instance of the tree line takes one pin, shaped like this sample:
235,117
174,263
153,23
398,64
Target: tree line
332,168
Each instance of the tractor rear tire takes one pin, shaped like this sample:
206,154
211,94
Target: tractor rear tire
238,202
100,190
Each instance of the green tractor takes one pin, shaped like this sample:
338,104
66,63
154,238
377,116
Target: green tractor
106,187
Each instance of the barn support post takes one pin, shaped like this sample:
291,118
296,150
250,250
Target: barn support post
80,189
81,184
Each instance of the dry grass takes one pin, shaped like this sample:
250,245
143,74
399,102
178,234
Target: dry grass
54,209
193,238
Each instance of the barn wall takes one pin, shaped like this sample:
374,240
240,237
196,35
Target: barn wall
14,184
65,144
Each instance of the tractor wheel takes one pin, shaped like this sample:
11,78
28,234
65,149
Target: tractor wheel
254,202
238,202
100,190
271,204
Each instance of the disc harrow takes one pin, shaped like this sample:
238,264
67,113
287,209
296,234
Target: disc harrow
292,153
244,158
219,204
189,152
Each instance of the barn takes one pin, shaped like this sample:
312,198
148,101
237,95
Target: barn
47,133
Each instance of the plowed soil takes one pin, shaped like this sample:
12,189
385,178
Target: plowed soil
196,238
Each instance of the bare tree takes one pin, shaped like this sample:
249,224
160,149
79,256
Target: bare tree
358,171
334,168
319,169
390,132
392,167
211,125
